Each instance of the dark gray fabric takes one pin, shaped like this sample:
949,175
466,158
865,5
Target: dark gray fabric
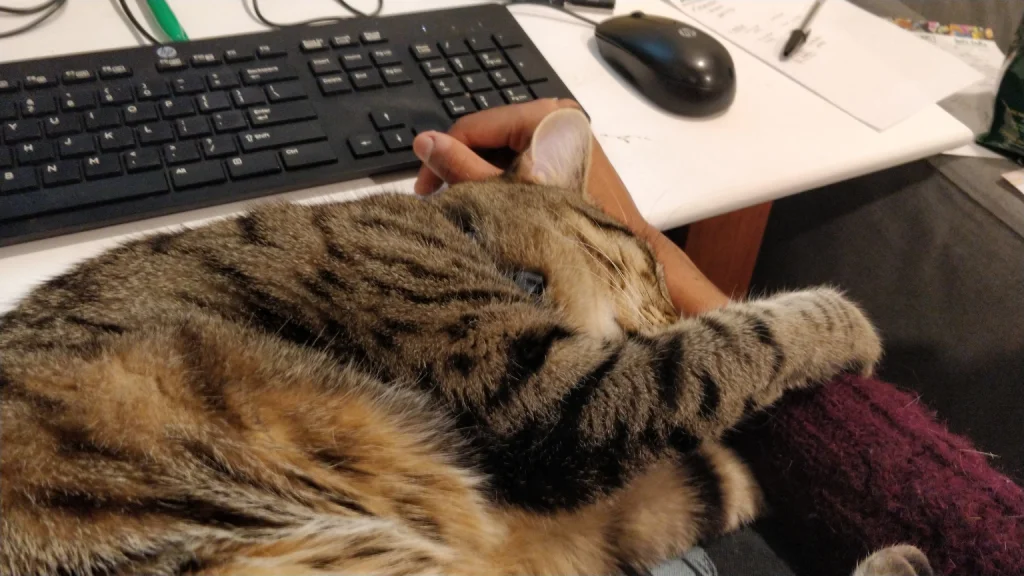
745,553
942,278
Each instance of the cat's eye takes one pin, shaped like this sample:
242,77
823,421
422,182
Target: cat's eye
531,282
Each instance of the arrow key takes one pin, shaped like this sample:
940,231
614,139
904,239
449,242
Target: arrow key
397,140
363,145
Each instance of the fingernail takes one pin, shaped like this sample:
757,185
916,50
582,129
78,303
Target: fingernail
422,146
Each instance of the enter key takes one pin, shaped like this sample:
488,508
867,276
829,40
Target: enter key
281,113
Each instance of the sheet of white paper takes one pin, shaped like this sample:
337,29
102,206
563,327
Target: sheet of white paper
868,67
1016,178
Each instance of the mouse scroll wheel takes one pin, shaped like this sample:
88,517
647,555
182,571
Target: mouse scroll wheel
637,14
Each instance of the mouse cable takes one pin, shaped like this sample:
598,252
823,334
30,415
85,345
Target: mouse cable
555,4
324,20
138,25
48,9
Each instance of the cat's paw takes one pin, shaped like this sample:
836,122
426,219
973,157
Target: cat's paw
902,560
858,346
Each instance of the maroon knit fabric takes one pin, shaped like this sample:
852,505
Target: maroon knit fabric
858,465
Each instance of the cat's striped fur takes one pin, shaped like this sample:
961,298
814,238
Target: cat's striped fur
364,388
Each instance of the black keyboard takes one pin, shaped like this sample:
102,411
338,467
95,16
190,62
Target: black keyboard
90,140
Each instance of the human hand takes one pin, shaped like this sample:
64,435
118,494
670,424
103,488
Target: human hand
449,158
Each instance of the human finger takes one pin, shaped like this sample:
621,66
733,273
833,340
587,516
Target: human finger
450,160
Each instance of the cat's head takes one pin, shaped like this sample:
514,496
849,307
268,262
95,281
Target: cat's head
540,226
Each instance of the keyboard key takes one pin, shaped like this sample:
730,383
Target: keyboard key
544,90
181,152
8,111
115,95
516,95
385,119
109,72
6,160
250,96
263,74
281,136
192,127
324,65
213,102
423,51
355,61
62,125
476,82
453,47
285,91
506,40
395,76
397,140
15,180
139,113
142,160
336,84
77,100
38,106
464,64
527,65
281,113
229,121
480,43
308,155
22,130
436,69
222,80
170,64
207,59
157,133
77,146
343,41
504,78
32,152
172,108
195,175
188,84
486,100
61,172
218,146
364,145
151,90
39,81
20,206
77,76
251,165
445,87
234,56
102,166
366,79
116,139
492,60
270,51
7,85
384,57
313,45
372,37
459,106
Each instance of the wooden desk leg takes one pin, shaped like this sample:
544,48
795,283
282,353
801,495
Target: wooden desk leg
725,247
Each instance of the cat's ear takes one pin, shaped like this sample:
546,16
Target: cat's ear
559,154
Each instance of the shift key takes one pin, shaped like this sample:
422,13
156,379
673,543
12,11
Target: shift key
281,136
281,113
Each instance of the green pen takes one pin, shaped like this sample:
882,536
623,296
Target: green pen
165,18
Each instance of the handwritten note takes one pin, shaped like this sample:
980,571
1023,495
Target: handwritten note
867,66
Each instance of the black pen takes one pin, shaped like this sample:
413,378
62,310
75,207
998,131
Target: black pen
799,36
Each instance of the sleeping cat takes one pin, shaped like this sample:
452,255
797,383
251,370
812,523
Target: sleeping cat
491,380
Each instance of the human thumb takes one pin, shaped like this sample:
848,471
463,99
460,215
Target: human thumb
451,160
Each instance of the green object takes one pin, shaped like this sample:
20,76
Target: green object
1006,134
165,18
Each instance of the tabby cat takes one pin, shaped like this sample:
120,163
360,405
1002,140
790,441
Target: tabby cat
491,380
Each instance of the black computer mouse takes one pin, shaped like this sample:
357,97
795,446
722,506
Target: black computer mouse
678,67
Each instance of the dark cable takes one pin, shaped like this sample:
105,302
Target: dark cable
324,20
138,25
48,9
560,6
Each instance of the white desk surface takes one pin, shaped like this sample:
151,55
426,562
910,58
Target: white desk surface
777,138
